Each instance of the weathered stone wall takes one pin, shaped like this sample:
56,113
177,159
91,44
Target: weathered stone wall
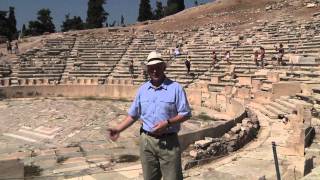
285,89
110,91
11,169
194,96
209,148
217,130
115,91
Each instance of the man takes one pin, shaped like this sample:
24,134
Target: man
256,57
280,54
131,68
214,58
262,55
162,105
227,56
188,64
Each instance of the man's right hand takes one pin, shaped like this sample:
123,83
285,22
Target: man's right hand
113,134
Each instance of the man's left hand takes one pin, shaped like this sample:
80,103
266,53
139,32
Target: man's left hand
160,127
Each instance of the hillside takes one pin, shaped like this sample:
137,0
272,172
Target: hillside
238,14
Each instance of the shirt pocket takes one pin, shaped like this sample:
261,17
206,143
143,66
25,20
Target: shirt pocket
145,105
167,104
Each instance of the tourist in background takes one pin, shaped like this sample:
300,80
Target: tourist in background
162,105
16,48
262,55
177,51
227,57
131,68
280,54
9,47
214,58
187,62
255,57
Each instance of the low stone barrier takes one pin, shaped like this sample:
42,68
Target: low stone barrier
115,91
11,169
208,149
217,130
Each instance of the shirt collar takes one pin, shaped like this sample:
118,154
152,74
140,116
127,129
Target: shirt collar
164,85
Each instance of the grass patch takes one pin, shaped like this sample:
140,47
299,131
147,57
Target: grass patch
205,117
93,98
30,93
32,170
127,158
61,159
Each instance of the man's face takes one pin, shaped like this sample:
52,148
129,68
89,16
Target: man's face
156,71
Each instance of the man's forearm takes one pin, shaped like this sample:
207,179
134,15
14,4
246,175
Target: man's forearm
178,119
127,122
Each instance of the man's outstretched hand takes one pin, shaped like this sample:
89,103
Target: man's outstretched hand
113,134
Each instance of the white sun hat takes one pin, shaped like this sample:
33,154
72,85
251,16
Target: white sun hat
154,58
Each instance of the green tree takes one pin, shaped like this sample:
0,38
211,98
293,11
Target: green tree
46,20
96,15
145,12
174,6
8,24
42,25
4,25
113,24
75,23
12,23
158,13
34,28
23,30
122,21
181,5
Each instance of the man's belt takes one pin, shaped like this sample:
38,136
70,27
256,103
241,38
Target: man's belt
161,136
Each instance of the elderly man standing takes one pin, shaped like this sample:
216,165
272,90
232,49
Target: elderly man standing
162,105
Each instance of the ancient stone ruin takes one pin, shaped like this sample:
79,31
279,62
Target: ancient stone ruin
57,97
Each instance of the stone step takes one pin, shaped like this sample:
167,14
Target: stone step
36,135
268,113
316,90
274,110
21,137
286,104
280,107
297,101
78,164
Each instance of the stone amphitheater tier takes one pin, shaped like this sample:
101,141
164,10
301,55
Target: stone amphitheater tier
285,97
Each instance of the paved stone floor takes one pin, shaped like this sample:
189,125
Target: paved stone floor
254,161
67,137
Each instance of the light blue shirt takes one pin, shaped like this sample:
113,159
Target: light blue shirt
153,105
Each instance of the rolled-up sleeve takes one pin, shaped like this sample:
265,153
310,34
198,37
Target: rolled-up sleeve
182,103
134,110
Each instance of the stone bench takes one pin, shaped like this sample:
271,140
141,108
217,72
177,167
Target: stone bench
120,81
33,81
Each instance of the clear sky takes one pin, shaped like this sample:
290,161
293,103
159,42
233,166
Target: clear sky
26,10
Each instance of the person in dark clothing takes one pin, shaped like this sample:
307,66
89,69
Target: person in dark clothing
214,58
262,55
131,68
255,57
188,64
9,47
280,54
